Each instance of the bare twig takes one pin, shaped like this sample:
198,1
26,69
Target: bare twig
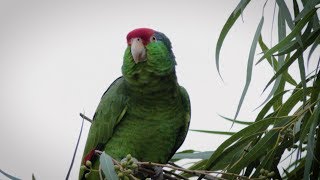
174,174
174,164
75,150
152,173
85,117
194,172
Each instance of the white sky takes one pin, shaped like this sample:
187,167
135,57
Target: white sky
57,58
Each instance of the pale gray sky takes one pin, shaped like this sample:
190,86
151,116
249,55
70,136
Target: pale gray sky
58,57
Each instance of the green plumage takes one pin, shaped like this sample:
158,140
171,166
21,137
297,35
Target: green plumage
145,112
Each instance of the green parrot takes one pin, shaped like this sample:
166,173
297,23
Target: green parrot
145,112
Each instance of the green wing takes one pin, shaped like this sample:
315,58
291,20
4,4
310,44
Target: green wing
110,110
185,127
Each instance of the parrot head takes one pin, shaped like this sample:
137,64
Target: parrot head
148,51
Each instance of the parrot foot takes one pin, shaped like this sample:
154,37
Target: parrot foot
159,173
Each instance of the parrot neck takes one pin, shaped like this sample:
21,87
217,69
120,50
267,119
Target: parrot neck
150,85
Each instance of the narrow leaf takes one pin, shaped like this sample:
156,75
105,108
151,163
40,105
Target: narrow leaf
236,121
290,36
303,78
8,175
285,13
227,26
273,61
107,167
253,128
310,146
249,65
307,8
267,107
313,47
214,132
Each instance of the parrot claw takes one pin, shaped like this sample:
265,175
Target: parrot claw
159,173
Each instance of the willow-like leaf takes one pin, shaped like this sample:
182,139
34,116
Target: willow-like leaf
288,63
267,107
236,121
303,78
263,145
313,47
253,128
213,132
309,6
310,147
308,38
226,28
290,36
285,13
274,62
8,175
285,66
249,65
292,101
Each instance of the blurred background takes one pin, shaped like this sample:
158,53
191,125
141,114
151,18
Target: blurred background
58,57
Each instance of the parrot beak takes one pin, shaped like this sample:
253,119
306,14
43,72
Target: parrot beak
138,50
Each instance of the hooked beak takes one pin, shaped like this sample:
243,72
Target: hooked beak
138,50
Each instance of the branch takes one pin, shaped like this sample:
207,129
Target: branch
85,117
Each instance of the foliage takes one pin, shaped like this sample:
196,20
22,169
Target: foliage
285,127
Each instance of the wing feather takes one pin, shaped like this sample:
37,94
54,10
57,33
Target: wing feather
110,110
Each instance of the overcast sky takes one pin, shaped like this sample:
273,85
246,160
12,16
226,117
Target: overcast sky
58,57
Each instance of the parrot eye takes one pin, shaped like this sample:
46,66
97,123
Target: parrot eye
153,39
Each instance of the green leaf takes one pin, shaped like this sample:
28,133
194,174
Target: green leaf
292,101
285,13
249,65
107,167
33,177
307,8
194,155
227,26
252,129
303,78
267,107
310,147
8,175
313,47
236,121
285,66
261,148
307,38
273,61
289,37
213,132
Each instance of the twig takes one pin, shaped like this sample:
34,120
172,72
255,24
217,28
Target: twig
152,173
75,150
194,172
174,174
207,174
174,164
85,117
